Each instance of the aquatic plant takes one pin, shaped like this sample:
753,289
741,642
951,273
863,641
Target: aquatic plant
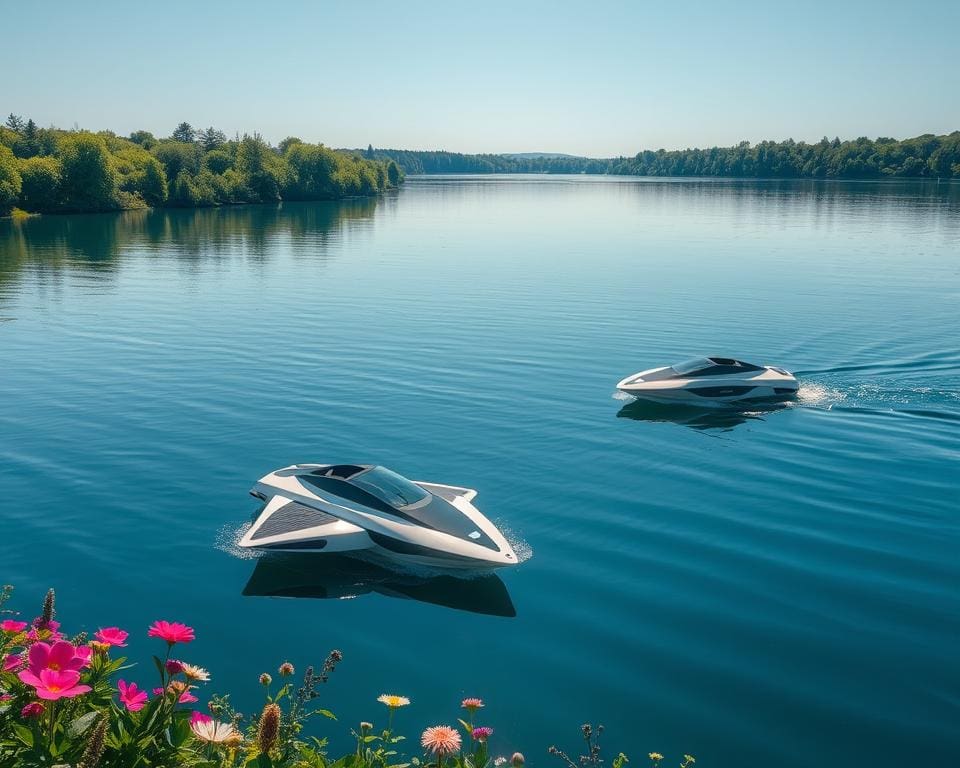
63,703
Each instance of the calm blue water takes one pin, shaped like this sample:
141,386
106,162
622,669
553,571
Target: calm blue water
774,588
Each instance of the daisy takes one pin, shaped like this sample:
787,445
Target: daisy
214,732
195,673
393,701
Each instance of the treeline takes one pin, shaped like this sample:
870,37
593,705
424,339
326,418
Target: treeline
414,162
52,170
926,156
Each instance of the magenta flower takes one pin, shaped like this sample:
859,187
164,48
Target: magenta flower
84,653
9,625
6,697
12,661
131,697
59,657
171,631
174,667
482,733
112,636
185,696
51,625
33,709
53,684
199,717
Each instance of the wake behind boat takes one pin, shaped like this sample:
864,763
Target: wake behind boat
355,507
707,380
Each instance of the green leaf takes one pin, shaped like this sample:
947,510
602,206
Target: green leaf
79,726
264,761
326,713
466,727
23,733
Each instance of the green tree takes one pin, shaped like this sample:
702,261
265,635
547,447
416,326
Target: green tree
311,173
260,168
14,123
211,138
288,142
178,156
10,180
41,183
218,161
144,138
183,132
89,181
141,174
393,174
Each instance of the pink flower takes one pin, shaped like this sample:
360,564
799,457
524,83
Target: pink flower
12,661
59,657
440,739
185,697
171,631
84,653
131,697
482,733
6,697
112,636
9,625
51,625
54,684
174,667
199,717
472,704
33,709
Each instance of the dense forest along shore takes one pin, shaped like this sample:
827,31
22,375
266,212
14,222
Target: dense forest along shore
45,170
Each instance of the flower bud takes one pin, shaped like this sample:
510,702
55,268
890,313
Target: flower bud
517,760
268,729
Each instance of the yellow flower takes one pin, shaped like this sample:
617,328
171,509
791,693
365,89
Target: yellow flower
393,701
655,756
688,760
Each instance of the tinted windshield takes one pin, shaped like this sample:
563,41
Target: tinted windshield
689,366
390,487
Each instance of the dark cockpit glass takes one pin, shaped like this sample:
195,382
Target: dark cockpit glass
713,366
390,487
690,366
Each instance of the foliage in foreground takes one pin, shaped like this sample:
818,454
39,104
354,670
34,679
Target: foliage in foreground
50,170
70,703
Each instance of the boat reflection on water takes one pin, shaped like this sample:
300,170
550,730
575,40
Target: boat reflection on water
718,418
332,576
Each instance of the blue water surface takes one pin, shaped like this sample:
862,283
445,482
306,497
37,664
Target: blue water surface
769,587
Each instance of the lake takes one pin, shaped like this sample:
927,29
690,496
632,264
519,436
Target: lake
775,587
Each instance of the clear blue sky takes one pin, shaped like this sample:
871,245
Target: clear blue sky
596,78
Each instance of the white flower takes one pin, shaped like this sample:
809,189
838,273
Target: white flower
500,761
215,732
195,673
